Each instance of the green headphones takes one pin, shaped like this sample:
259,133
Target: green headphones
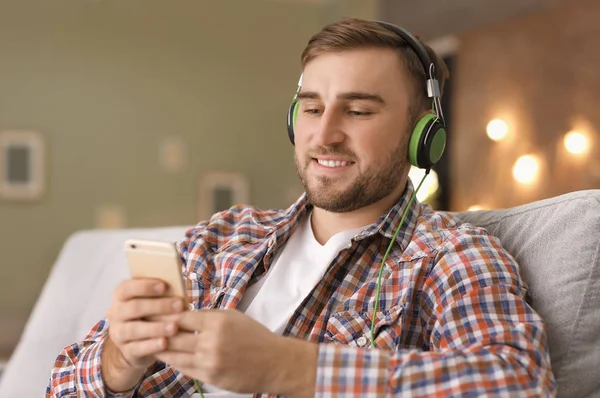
428,139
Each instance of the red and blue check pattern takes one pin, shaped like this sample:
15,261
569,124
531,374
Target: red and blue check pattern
452,320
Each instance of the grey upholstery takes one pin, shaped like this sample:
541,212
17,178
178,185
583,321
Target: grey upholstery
557,244
76,296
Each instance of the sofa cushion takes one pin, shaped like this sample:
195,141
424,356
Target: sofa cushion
557,244
75,297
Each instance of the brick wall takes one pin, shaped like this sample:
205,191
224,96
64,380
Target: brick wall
541,74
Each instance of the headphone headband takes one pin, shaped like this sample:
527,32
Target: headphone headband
433,87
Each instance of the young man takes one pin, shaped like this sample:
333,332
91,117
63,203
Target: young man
305,301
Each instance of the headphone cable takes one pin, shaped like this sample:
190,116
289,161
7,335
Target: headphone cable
412,198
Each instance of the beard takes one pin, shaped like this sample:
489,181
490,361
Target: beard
373,183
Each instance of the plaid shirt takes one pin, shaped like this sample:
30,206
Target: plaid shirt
452,318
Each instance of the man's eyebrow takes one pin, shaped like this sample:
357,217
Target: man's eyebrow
308,95
352,95
355,95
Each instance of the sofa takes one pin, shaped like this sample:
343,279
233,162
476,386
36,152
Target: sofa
556,241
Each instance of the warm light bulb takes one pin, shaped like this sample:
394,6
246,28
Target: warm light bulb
576,143
475,208
526,169
430,185
497,129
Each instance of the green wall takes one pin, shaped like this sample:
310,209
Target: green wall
105,81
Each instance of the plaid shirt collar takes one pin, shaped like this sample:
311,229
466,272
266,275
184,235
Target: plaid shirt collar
285,222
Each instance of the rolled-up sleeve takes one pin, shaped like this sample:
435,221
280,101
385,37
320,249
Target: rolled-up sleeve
77,367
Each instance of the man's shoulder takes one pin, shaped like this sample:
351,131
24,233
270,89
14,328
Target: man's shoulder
439,231
240,223
465,251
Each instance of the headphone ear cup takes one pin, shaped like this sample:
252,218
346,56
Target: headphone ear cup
436,143
291,120
427,142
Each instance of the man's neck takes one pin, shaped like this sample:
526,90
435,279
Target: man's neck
326,224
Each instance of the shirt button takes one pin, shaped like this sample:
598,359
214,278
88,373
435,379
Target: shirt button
191,307
362,341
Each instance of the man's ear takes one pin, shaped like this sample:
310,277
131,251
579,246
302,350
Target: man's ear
425,112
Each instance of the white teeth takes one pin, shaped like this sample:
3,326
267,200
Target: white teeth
333,163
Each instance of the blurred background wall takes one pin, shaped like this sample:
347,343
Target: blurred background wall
111,85
532,67
118,87
541,75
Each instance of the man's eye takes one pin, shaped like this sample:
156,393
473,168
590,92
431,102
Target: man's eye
312,111
359,113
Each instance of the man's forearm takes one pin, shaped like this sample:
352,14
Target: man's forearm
298,372
117,375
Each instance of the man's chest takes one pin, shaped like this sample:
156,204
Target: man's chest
340,304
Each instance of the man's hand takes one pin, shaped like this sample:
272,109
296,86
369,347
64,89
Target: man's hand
133,341
234,352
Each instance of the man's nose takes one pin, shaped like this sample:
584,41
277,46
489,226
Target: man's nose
329,130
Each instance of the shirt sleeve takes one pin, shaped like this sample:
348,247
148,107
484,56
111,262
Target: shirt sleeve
481,336
77,367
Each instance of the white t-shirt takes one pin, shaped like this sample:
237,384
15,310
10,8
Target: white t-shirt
295,271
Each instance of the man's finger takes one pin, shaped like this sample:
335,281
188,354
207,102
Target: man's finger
183,341
141,308
142,348
193,321
140,330
133,288
170,318
177,359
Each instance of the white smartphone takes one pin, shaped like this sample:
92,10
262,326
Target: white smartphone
157,259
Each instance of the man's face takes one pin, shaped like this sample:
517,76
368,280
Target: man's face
351,132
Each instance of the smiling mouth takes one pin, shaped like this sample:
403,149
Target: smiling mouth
334,163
